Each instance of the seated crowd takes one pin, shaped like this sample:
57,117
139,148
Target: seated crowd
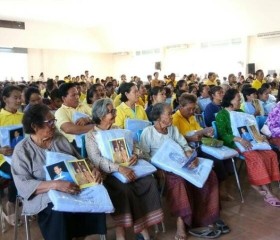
47,112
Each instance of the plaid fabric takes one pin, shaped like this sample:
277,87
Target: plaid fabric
136,204
262,167
196,206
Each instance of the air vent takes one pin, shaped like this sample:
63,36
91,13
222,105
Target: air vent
12,24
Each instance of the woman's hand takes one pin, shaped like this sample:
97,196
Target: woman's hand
67,187
128,173
7,151
96,175
194,164
133,160
208,131
246,144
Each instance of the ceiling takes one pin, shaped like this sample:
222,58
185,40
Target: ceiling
147,23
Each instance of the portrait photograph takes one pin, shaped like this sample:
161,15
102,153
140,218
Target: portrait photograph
59,171
81,173
16,135
244,133
119,151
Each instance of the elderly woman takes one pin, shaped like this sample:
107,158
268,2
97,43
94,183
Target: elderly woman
129,107
9,115
187,125
28,163
136,203
193,207
262,165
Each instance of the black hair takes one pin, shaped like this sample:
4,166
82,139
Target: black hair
228,97
91,91
109,85
139,84
153,92
213,90
125,88
34,116
55,94
265,85
248,91
258,71
28,92
167,92
180,83
64,88
261,90
157,110
7,90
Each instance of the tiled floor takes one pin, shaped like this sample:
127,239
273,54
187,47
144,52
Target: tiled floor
252,220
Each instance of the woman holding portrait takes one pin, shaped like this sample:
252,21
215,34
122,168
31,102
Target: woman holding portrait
28,163
9,115
262,165
193,207
136,203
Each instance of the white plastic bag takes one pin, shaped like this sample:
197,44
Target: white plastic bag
165,159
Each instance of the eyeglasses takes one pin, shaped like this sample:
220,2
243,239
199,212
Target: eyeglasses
113,111
50,123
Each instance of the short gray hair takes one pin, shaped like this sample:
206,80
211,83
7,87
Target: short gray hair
99,109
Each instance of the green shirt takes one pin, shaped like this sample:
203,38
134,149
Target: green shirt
224,128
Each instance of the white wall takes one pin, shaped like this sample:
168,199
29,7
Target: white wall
42,35
265,53
13,66
64,62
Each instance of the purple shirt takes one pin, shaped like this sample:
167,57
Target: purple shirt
273,121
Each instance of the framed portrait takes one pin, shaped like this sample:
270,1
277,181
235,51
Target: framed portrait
119,151
81,173
59,171
244,133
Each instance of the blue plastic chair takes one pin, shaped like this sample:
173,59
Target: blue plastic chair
261,121
214,125
83,149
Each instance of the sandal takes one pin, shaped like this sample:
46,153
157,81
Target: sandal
205,232
272,200
180,237
220,225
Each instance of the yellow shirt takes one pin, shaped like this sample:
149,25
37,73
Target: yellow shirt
84,108
209,83
124,112
113,96
258,84
117,100
141,102
63,115
184,126
82,97
6,119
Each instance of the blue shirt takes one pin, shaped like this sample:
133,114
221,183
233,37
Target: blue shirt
210,113
203,102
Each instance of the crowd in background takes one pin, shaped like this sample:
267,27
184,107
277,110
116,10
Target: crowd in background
171,104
